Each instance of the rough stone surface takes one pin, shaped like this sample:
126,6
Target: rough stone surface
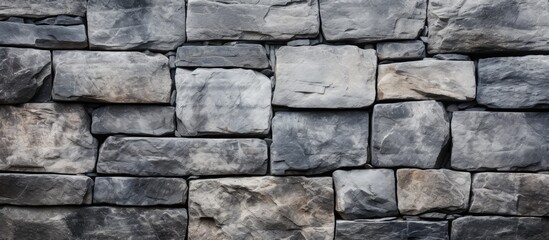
134,119
409,134
240,56
22,73
182,156
46,137
222,101
404,50
500,141
427,79
325,76
523,194
43,36
139,191
142,24
514,82
261,208
390,230
44,189
420,191
504,228
117,77
370,21
62,20
318,142
475,26
38,8
92,223
365,193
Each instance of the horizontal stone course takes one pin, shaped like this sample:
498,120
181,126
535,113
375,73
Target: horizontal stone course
144,191
134,120
389,230
496,227
26,8
240,56
22,34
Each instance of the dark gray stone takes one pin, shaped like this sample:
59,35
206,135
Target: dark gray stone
449,56
134,119
391,230
502,228
139,191
62,20
43,36
39,8
404,50
240,56
317,142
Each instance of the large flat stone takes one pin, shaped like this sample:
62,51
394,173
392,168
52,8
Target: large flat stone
239,55
478,26
116,77
390,230
134,119
120,24
222,101
318,142
139,191
22,73
373,20
502,141
325,76
409,134
46,137
37,9
427,79
44,189
182,156
504,228
514,82
43,36
252,20
261,208
92,223
523,194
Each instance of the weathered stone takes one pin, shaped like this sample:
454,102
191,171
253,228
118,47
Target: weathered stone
427,79
500,141
374,20
523,194
261,208
117,77
46,137
365,193
62,20
318,142
134,119
22,72
410,134
239,55
143,24
44,189
252,20
450,56
325,76
92,223
39,8
420,191
139,191
404,50
475,26
43,36
182,156
514,82
390,230
222,101
504,228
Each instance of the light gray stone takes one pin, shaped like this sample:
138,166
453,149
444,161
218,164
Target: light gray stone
368,193
116,77
182,156
325,76
308,143
261,208
503,228
46,137
373,20
252,20
222,101
134,119
142,24
139,191
43,36
410,134
240,56
62,20
514,82
501,141
427,79
477,26
391,230
17,223
420,191
404,50
40,8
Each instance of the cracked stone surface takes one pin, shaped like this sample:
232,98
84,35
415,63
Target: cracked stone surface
37,9
325,76
261,208
134,120
390,230
21,34
238,55
495,227
403,50
142,191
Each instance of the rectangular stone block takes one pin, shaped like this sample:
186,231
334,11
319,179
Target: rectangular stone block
239,56
182,156
390,230
21,34
261,208
37,9
402,50
134,191
504,228
134,120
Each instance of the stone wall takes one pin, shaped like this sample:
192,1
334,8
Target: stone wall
274,119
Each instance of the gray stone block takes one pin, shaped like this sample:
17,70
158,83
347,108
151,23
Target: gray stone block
37,9
134,119
403,50
390,230
504,228
43,36
239,56
134,191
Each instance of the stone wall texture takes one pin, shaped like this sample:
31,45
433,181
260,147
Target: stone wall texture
274,119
